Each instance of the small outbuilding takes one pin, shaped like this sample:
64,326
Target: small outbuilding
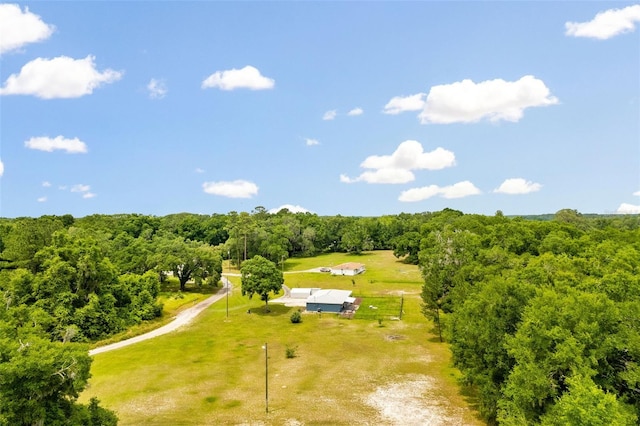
349,268
330,301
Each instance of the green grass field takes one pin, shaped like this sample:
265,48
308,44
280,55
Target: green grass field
212,371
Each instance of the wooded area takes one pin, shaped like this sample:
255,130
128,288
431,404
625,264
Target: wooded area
542,316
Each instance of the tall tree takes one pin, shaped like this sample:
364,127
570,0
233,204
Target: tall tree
442,260
188,260
40,382
261,276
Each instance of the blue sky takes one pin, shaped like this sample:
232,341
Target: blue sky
351,108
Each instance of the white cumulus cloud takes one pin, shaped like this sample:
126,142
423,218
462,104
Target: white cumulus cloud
20,27
157,89
42,199
291,208
517,186
46,184
245,78
628,209
312,142
44,143
88,195
393,176
61,77
356,111
400,104
637,193
330,115
495,100
458,190
1,168
233,189
410,155
606,24
396,168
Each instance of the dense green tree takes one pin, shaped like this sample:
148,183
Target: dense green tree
188,260
478,330
407,246
40,382
585,403
562,333
356,238
442,260
26,237
261,276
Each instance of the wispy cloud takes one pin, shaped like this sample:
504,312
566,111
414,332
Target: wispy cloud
311,142
607,24
157,89
233,189
628,209
46,184
355,111
330,115
637,193
61,77
80,188
199,170
245,78
20,27
517,186
458,190
42,199
400,104
1,168
397,167
45,143
495,100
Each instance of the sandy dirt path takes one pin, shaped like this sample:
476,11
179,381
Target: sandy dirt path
183,318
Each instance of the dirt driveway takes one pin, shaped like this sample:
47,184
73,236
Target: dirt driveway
183,318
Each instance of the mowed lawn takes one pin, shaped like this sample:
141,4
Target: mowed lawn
357,371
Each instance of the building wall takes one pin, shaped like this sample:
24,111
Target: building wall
343,272
313,307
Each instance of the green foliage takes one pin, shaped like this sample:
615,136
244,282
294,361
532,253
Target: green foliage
542,317
40,382
291,352
261,276
356,239
407,244
585,403
296,317
188,260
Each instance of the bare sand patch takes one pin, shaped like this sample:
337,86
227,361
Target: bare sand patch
411,401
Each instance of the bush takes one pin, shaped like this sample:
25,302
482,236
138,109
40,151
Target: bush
291,351
296,317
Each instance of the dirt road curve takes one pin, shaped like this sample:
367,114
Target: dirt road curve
184,317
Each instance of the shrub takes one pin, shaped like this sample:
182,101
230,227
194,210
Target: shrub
296,317
291,351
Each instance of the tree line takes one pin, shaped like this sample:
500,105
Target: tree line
66,282
542,317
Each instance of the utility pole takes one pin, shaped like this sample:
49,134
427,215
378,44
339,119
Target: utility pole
266,378
228,282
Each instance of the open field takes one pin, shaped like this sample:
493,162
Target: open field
345,371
